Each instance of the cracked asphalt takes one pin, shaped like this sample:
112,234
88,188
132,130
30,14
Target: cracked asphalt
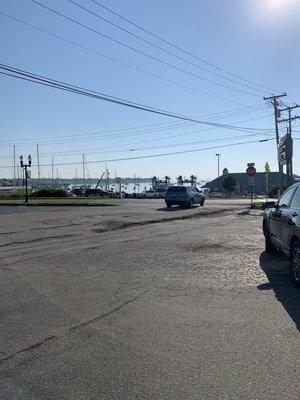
138,302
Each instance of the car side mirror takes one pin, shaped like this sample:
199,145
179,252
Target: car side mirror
271,204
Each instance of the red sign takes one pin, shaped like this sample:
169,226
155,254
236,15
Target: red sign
251,171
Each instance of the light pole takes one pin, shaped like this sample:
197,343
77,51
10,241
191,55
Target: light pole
25,166
218,155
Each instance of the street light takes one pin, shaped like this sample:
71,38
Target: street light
25,166
218,155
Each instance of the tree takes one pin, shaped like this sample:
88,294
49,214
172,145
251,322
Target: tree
180,180
167,180
193,180
154,181
267,173
229,184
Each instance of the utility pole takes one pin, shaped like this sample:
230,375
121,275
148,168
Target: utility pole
52,170
275,103
38,161
76,177
14,165
83,168
289,165
218,155
106,178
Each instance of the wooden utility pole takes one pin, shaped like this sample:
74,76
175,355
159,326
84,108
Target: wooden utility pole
38,161
14,165
52,170
275,103
83,168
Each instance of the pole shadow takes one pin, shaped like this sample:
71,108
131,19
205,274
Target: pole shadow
277,269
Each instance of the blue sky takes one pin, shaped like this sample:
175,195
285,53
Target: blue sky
254,39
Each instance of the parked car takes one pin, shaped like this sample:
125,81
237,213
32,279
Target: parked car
281,227
161,194
185,196
150,194
125,195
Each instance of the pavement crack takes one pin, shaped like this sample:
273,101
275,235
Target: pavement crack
37,240
72,329
28,348
112,311
60,226
113,226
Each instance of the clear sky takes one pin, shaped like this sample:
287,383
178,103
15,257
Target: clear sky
254,39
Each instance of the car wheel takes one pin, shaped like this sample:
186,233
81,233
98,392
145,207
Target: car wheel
295,261
169,205
190,203
144,197
269,246
155,197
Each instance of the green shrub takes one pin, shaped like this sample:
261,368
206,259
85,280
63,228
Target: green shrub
49,192
18,194
229,184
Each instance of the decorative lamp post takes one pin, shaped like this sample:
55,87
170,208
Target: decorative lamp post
25,166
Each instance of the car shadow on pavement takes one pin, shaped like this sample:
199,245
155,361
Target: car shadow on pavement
172,209
277,269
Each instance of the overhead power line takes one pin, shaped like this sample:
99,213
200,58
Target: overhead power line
181,49
140,51
137,149
129,148
151,155
106,148
85,48
41,80
127,132
111,149
162,49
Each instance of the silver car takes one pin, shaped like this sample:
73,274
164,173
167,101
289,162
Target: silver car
281,227
150,194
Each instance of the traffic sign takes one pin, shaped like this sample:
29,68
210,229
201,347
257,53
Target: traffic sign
251,181
251,170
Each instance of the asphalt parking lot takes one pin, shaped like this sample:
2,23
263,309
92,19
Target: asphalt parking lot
138,302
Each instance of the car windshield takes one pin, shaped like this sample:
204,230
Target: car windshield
286,198
177,189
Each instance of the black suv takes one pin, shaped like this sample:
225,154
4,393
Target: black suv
185,196
281,226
